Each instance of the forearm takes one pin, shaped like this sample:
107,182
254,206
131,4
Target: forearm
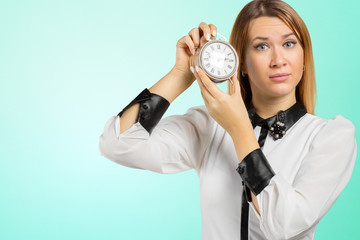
244,138
172,84
169,87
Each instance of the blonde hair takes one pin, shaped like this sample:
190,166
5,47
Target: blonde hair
306,89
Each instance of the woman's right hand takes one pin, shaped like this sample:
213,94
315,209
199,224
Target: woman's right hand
187,45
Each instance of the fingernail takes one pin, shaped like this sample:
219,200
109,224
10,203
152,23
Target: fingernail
193,51
197,68
192,69
214,33
207,36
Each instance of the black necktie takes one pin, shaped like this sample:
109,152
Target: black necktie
246,196
278,125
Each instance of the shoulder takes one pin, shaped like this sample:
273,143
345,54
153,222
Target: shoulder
337,130
312,125
338,122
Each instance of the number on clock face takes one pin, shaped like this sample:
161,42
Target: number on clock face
218,59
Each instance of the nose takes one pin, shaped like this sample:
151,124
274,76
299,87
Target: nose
277,59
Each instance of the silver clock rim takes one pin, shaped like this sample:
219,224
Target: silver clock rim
215,78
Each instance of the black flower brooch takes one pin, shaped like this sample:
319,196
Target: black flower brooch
277,129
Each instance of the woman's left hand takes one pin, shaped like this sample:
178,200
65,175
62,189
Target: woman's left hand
228,110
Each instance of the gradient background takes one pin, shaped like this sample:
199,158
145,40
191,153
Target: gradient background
67,66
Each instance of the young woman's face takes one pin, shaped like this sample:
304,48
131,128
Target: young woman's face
273,49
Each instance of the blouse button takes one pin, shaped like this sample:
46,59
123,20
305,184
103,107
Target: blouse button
241,169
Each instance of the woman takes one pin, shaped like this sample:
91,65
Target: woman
292,164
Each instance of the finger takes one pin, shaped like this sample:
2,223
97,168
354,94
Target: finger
209,85
204,33
205,30
213,29
195,36
202,92
236,82
187,43
232,86
233,83
203,41
206,94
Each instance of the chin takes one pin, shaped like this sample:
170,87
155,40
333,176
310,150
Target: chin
274,90
281,91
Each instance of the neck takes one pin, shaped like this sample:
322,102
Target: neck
268,107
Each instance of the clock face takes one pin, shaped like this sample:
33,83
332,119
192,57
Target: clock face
218,59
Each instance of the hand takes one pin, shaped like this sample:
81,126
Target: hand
228,110
187,45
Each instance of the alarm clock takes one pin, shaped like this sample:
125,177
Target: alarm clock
217,58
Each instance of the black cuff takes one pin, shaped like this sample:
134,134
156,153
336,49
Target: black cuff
152,108
255,171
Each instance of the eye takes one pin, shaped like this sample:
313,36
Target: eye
261,46
290,44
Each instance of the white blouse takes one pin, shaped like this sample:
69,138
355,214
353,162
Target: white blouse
313,163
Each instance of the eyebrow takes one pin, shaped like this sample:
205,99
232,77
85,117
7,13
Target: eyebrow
265,38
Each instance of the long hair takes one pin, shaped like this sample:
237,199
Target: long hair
306,88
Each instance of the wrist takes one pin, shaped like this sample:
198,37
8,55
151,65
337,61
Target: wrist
186,77
241,127
171,85
244,138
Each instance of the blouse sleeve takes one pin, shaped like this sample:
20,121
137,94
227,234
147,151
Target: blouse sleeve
289,210
176,144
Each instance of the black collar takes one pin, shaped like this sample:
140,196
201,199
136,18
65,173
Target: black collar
279,123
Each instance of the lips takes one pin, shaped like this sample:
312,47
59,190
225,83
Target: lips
280,77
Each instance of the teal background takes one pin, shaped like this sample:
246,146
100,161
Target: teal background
67,66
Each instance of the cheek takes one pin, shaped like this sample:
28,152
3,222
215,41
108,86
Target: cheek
297,59
255,65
